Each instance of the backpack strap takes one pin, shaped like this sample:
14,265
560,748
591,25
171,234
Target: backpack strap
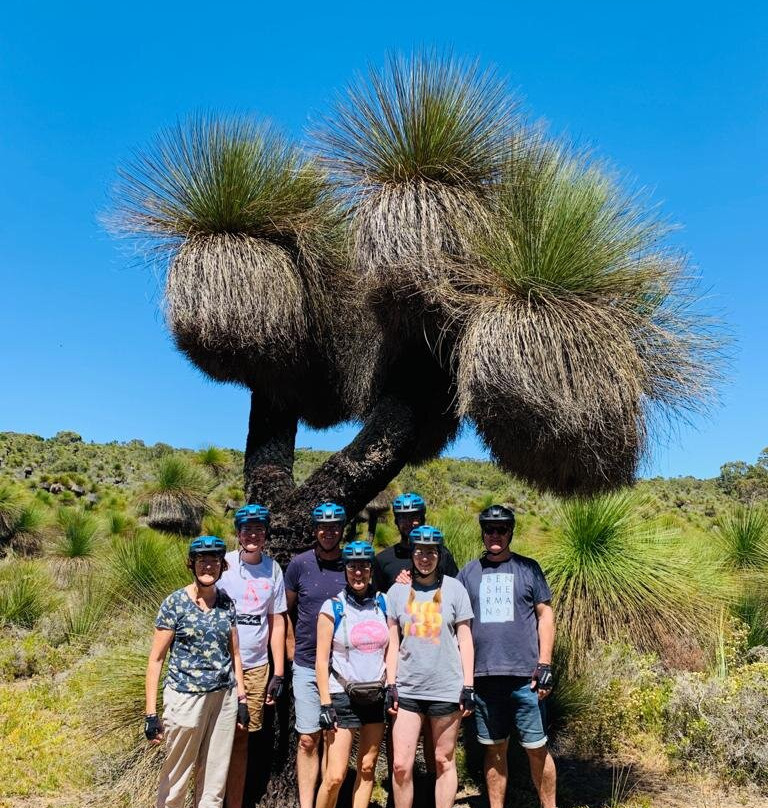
381,602
338,612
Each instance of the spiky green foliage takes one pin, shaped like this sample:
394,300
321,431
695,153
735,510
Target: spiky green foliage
578,324
743,537
119,523
213,458
25,594
87,616
178,495
76,537
461,531
147,567
423,117
213,175
11,505
614,576
751,607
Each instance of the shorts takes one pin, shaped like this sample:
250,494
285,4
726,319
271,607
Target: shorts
306,700
256,691
433,709
504,702
354,716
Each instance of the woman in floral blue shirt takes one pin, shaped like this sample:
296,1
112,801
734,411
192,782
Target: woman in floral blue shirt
200,709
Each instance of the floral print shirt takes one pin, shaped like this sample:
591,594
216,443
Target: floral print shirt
200,661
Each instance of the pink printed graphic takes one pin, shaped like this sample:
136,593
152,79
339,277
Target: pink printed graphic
252,596
369,636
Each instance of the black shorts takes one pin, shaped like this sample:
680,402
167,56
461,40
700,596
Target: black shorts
434,709
354,716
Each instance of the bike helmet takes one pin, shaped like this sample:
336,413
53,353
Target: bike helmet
408,503
207,545
328,513
358,551
426,534
251,513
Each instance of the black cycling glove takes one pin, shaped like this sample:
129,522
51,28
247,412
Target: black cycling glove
390,697
328,717
542,677
467,699
152,727
243,716
275,687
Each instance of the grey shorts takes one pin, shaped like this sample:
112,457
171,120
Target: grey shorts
306,700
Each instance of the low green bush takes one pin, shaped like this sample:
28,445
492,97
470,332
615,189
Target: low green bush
721,723
26,594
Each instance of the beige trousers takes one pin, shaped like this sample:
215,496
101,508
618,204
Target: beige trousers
199,729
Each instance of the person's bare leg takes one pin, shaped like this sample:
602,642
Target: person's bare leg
307,767
445,731
367,754
495,767
405,736
336,757
544,775
237,767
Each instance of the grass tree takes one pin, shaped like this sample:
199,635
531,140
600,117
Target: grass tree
214,459
614,576
429,260
76,540
177,496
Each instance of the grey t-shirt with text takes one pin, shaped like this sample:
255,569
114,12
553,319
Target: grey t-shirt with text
504,597
429,665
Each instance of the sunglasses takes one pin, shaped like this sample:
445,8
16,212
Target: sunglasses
495,531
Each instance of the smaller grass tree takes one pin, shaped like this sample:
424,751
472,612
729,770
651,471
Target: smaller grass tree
616,577
178,496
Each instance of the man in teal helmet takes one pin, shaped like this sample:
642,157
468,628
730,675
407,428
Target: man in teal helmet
254,581
310,579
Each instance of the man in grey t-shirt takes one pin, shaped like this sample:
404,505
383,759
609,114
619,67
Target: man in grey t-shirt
513,633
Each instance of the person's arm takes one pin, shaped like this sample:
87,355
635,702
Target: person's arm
324,640
161,642
546,629
393,651
277,641
466,652
291,599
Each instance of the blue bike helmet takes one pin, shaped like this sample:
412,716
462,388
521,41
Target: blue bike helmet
408,503
328,513
207,545
252,513
426,534
358,551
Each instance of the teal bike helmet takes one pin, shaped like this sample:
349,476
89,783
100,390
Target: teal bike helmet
358,551
408,503
252,513
329,513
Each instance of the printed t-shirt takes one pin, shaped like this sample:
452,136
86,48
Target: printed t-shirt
429,665
388,564
257,590
313,581
504,597
359,643
199,661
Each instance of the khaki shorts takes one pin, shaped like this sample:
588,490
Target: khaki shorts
256,691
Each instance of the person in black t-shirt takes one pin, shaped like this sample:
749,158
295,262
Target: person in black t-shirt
393,565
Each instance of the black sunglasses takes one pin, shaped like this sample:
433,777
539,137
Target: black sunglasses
501,530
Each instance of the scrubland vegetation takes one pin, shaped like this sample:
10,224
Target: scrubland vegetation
661,597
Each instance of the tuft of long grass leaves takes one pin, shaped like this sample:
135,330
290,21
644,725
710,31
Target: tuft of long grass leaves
77,536
743,537
424,116
25,594
616,577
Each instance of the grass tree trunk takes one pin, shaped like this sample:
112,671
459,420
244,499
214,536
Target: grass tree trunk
351,477
269,453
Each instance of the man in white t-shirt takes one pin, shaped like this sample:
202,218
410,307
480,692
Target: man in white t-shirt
254,581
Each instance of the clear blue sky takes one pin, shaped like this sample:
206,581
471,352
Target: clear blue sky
674,93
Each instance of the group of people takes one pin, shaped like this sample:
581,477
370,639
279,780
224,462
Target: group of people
401,639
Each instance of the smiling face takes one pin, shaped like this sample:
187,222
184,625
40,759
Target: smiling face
496,537
207,568
328,535
359,575
406,522
252,536
425,558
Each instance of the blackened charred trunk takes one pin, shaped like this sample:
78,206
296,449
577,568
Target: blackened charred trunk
269,453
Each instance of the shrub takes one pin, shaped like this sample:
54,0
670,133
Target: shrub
615,577
721,723
743,537
25,594
78,535
462,533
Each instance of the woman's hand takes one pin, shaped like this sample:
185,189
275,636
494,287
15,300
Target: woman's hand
153,729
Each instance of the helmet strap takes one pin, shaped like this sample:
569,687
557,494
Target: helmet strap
360,599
